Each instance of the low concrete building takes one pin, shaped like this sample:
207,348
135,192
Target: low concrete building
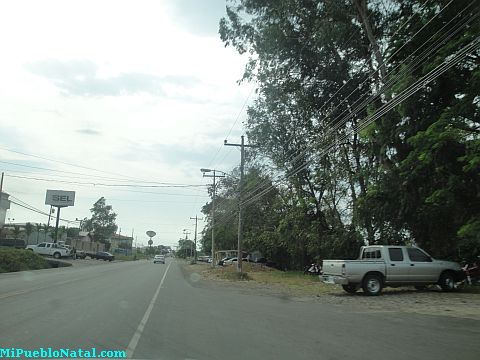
120,244
85,242
4,206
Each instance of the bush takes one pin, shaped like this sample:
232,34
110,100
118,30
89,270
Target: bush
12,260
132,257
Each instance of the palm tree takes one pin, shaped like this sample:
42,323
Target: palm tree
28,230
38,228
45,228
16,232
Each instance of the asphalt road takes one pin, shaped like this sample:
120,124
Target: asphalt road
152,312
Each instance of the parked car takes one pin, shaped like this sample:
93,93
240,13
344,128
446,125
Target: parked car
222,262
159,259
80,254
102,255
381,266
232,260
49,249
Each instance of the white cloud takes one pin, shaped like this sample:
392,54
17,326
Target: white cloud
121,86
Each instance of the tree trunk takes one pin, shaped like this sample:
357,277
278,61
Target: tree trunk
362,9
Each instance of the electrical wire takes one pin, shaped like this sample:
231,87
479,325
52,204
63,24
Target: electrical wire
107,185
432,75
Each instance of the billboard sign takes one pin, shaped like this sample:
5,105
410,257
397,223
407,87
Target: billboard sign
60,198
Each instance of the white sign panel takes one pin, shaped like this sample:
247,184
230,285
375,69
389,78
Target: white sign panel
60,198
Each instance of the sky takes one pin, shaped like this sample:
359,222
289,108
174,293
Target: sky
118,93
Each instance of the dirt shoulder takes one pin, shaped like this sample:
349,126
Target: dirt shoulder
295,286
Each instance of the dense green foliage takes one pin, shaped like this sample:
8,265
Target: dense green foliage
102,222
344,172
19,260
186,248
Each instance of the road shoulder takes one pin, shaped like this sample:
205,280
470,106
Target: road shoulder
460,304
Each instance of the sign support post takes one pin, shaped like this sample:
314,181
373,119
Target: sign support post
56,224
59,199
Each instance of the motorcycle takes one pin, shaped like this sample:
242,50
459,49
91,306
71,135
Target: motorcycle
312,269
472,272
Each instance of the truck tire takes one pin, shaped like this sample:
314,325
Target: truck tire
56,255
350,288
372,285
447,281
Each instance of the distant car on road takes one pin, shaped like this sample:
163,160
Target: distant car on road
102,255
159,258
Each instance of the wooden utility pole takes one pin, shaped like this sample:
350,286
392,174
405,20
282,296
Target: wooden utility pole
240,207
214,176
196,222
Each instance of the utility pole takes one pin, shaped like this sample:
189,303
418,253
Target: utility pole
214,176
131,250
186,232
1,186
240,207
196,221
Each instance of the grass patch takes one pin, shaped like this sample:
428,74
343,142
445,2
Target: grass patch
12,260
236,276
130,257
292,282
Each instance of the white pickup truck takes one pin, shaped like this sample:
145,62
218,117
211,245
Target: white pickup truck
50,249
380,266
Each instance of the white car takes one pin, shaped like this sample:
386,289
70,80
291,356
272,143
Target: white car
159,258
50,249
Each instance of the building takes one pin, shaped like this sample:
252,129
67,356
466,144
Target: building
120,244
85,242
4,206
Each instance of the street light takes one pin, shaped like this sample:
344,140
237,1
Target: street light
214,176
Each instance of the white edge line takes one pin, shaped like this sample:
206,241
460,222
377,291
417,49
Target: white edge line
138,333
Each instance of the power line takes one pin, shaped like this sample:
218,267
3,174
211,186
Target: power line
149,192
370,76
432,75
83,175
109,185
27,206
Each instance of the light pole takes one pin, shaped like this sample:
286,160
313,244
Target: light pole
187,232
214,176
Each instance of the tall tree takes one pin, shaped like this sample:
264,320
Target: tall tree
102,222
323,69
431,194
